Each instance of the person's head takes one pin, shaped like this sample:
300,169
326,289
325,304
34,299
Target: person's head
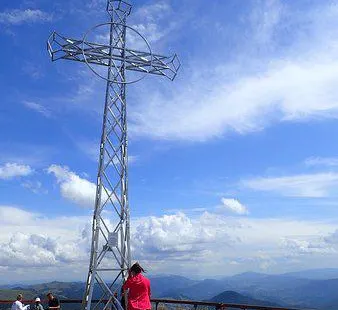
50,296
19,297
136,269
37,300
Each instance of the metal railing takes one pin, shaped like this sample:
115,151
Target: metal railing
215,305
162,304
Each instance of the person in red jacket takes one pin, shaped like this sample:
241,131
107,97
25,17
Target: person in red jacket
138,287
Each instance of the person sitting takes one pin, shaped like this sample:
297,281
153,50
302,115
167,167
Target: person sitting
53,302
138,287
17,305
37,305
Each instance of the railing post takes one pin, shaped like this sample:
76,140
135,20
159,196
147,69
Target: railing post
221,307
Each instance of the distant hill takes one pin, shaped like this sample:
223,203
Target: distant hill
64,290
315,274
317,293
231,297
162,286
291,289
11,294
201,290
331,305
277,289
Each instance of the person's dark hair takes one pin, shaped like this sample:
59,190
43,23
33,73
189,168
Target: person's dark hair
19,297
136,268
49,294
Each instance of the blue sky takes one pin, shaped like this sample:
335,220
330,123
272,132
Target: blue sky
234,163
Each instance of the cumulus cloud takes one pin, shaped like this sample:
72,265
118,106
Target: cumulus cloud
17,17
215,241
74,188
32,250
174,235
30,239
303,185
233,206
176,243
14,170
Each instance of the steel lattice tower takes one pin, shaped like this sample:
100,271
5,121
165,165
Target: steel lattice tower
110,249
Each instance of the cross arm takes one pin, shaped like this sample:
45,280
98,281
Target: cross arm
60,47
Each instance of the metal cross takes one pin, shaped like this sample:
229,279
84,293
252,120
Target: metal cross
110,249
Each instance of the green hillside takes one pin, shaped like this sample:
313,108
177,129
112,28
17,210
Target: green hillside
7,294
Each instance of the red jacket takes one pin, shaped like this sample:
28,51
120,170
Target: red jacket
139,292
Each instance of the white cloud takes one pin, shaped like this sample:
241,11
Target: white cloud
307,246
180,244
37,107
265,16
76,189
15,216
211,241
152,32
332,238
17,17
233,206
173,234
322,161
33,250
73,187
302,185
34,186
13,170
153,21
154,11
31,240
246,96
259,99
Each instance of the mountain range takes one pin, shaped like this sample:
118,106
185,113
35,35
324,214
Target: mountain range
306,289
